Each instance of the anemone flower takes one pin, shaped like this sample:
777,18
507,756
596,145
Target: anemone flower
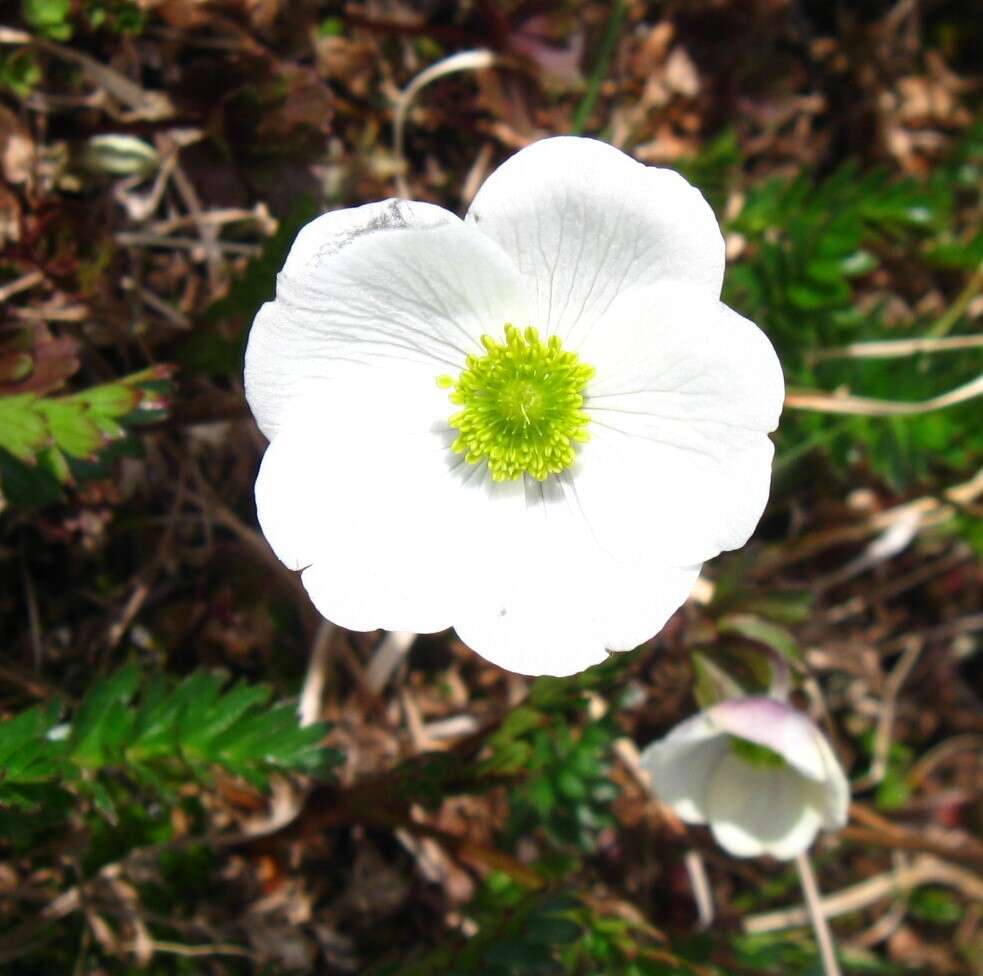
757,771
533,424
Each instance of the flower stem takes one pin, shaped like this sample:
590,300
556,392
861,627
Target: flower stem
600,68
824,938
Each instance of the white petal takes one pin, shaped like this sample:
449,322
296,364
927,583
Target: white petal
835,789
584,222
544,599
754,810
358,494
682,764
394,531
673,353
679,461
392,282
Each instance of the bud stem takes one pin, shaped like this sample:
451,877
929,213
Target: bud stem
824,938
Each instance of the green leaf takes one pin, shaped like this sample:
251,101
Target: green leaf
935,905
761,631
104,719
23,431
70,428
712,683
58,440
49,17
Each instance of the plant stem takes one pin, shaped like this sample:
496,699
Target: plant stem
824,938
600,68
960,306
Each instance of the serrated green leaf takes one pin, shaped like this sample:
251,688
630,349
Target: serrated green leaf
109,400
23,431
103,721
70,427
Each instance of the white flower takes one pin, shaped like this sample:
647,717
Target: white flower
552,493
757,771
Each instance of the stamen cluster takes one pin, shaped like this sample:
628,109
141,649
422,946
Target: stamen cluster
522,405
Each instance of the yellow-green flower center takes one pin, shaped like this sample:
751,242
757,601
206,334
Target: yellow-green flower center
522,406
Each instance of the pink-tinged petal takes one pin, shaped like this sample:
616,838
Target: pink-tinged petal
781,728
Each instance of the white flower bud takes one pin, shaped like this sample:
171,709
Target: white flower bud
758,772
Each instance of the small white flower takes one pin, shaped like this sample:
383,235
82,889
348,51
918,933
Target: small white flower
533,424
757,771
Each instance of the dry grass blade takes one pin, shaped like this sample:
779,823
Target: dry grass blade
462,61
897,348
868,407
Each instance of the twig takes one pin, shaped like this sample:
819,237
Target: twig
925,869
260,215
208,232
196,951
885,720
155,302
857,604
145,106
462,61
888,923
880,832
309,706
700,886
20,284
387,657
892,541
132,238
940,753
131,608
814,906
869,407
896,348
477,173
932,511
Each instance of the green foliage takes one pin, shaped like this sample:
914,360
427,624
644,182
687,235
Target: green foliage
750,646
331,27
714,169
46,442
810,252
20,72
118,16
56,19
935,905
524,932
792,954
810,241
50,18
565,788
156,735
893,791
